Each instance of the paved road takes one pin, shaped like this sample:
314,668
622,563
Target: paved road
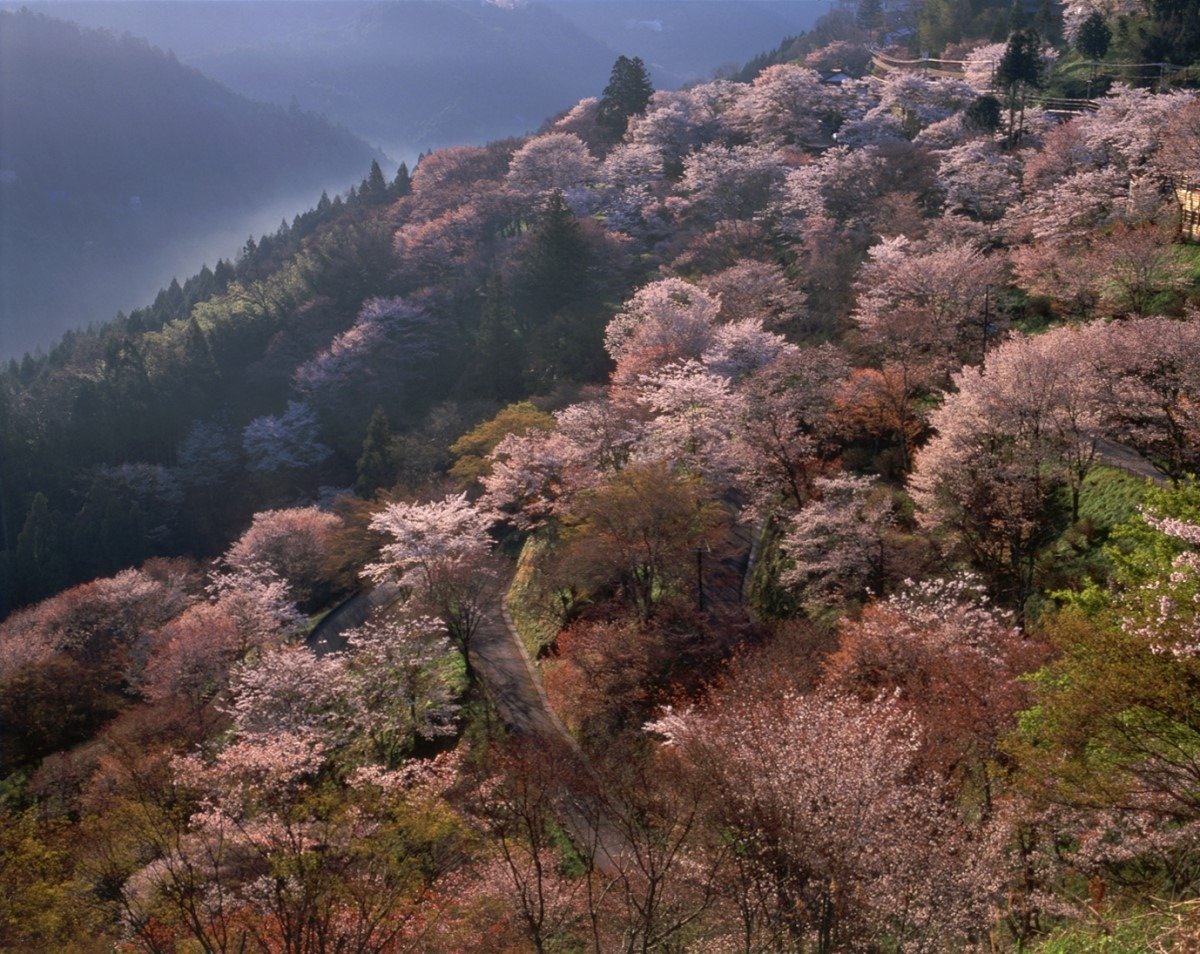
514,687
1127,459
329,635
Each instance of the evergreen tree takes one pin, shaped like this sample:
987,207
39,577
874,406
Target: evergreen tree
1017,17
375,467
499,359
40,562
374,186
402,184
223,275
556,265
110,532
627,94
1094,37
1048,22
870,14
985,113
1019,70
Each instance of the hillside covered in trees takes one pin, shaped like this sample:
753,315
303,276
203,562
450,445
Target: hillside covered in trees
120,167
759,517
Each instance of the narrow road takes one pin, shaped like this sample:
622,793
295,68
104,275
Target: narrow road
329,635
510,678
1127,459
514,687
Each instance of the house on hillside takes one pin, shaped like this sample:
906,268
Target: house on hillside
1188,197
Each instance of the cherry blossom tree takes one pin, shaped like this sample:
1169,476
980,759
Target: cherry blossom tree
401,689
786,434
730,184
759,290
668,320
785,104
1084,200
519,807
979,180
947,290
946,656
389,334
980,65
191,656
206,456
530,476
837,837
695,421
740,348
835,542
250,851
440,552
1148,397
1059,271
284,442
444,177
1013,435
534,477
603,431
257,602
1134,266
291,691
923,100
555,161
631,186
675,124
104,623
296,544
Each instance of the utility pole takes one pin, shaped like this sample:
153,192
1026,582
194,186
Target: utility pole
987,320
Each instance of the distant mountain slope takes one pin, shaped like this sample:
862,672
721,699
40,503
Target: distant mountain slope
118,165
684,41
410,76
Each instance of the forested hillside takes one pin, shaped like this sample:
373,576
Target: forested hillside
759,517
118,166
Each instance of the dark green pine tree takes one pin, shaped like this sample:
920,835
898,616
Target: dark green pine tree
555,268
195,374
1048,22
40,565
1017,16
1019,70
627,94
869,14
1094,38
110,532
376,468
8,459
223,275
498,361
560,318
402,184
985,113
374,186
